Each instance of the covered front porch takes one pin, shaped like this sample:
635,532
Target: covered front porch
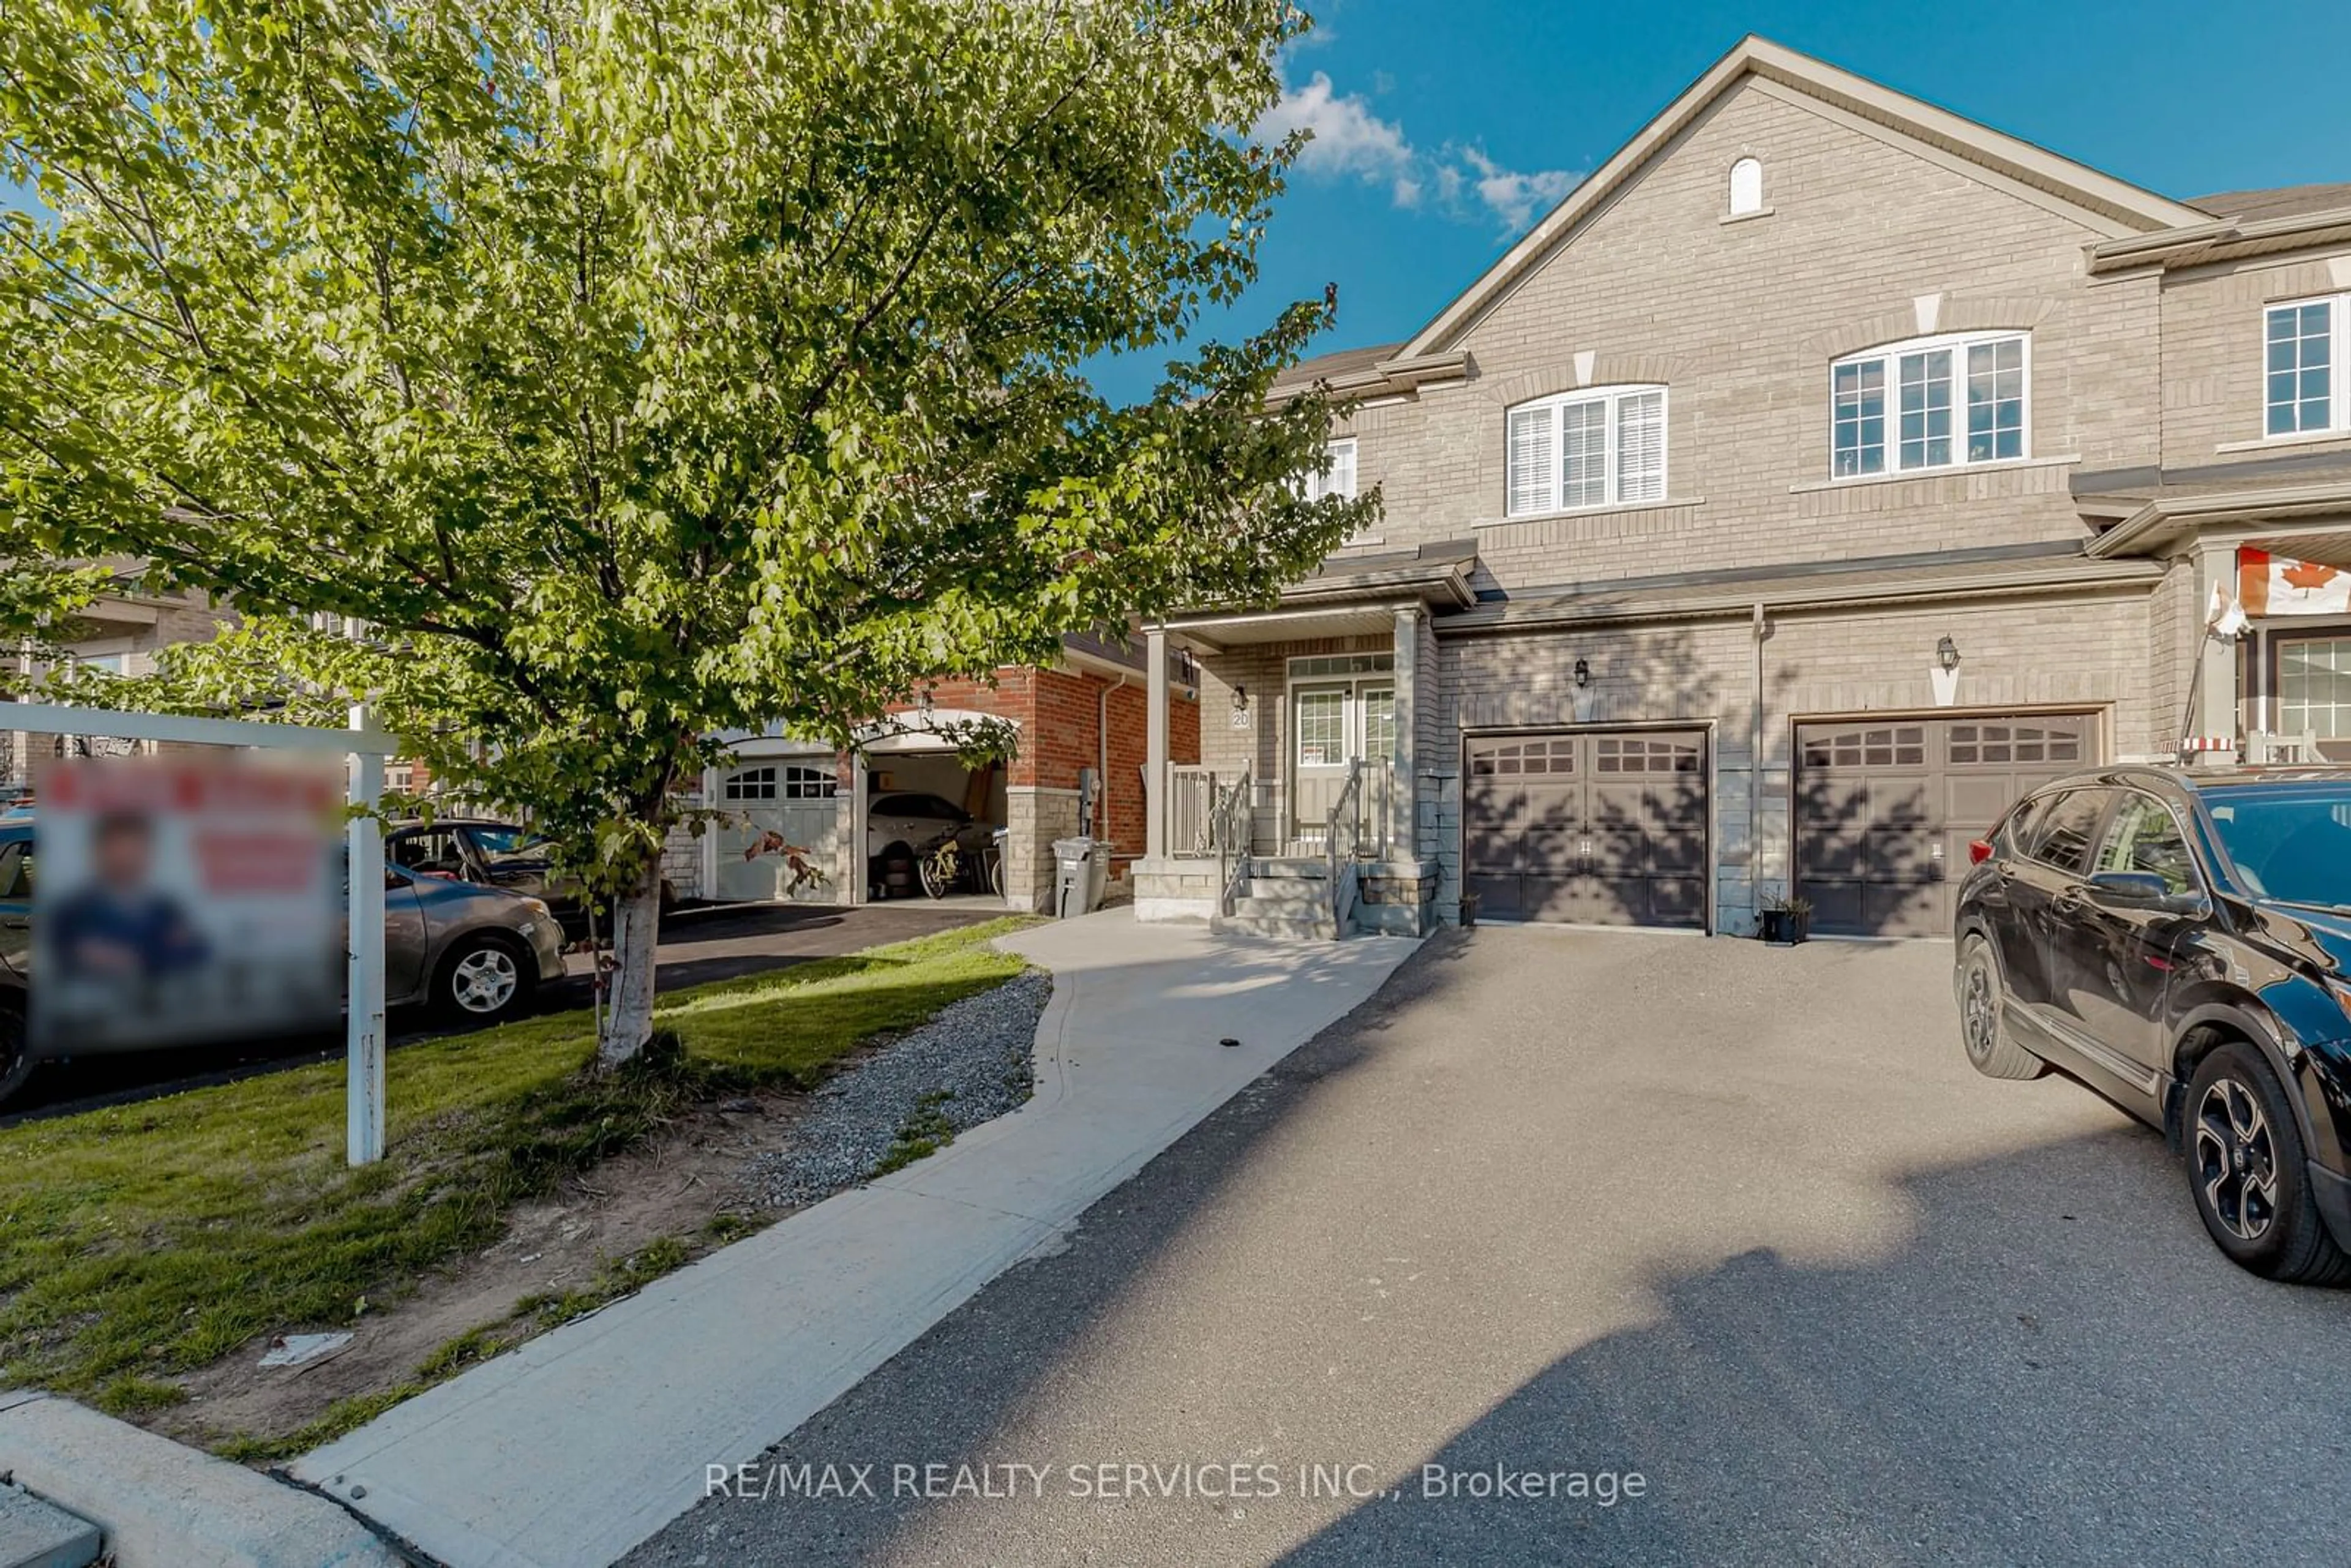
1319,774
2260,625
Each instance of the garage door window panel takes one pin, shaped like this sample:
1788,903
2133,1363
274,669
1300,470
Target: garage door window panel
750,784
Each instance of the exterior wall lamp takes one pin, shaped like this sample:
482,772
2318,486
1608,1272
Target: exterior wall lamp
1583,672
1947,654
1240,697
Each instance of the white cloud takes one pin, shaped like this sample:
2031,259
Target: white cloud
1349,138
1350,142
1513,197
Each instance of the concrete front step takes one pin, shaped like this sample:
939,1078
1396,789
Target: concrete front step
1303,866
1284,895
1284,927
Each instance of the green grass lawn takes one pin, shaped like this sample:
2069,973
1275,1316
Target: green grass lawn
150,1239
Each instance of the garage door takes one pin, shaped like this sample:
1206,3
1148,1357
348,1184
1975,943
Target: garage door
793,801
1885,808
1608,827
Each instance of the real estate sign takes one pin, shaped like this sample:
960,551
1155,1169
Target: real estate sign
180,899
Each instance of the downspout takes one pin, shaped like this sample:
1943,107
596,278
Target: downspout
1101,747
1755,777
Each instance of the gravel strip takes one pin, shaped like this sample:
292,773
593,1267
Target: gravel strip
970,1064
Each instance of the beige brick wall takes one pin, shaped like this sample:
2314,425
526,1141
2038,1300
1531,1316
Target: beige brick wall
2212,351
1740,321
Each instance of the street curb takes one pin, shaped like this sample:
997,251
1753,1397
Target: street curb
164,1505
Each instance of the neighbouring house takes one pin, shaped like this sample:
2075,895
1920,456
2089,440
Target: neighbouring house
1080,724
1078,721
119,633
1823,471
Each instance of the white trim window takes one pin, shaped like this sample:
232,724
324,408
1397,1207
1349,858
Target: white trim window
2306,366
1932,402
1746,187
1584,449
1337,479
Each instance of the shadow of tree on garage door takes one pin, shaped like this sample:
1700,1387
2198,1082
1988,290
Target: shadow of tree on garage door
1650,863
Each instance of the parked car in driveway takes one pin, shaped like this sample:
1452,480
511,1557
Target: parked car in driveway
470,952
901,826
495,854
2180,941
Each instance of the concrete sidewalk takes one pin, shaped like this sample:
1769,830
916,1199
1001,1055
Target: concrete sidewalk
573,1448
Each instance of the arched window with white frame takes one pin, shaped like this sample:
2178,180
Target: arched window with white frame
1746,187
1598,446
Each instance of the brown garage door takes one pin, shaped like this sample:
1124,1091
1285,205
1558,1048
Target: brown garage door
1885,807
1603,828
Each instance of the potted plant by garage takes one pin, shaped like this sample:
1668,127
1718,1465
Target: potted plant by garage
1785,921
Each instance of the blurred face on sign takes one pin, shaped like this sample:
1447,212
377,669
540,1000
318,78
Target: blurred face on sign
185,899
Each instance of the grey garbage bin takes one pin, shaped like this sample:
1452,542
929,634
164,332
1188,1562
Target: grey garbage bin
1081,872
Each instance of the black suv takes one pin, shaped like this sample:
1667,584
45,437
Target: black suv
2181,942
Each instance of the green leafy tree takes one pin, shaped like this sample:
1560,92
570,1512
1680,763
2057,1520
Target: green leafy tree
636,370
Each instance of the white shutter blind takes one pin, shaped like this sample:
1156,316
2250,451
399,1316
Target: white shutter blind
1641,447
1531,461
1583,454
1340,481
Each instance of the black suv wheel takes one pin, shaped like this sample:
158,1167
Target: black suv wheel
1990,1049
2246,1166
16,1057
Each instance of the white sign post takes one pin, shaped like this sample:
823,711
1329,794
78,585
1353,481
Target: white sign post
366,749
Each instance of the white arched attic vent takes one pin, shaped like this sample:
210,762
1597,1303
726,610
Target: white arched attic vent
1746,187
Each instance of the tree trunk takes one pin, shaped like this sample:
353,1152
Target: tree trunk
629,996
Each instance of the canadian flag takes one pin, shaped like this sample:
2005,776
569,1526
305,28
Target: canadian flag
2277,585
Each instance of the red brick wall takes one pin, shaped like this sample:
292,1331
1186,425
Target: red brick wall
1057,711
1013,697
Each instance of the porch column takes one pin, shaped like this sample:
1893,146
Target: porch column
852,847
1404,780
1154,745
2214,662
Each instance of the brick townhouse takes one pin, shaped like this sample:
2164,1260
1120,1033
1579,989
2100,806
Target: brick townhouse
1822,471
118,633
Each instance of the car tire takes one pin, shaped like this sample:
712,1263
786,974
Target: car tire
2247,1172
1992,1048
485,979
16,1051
897,871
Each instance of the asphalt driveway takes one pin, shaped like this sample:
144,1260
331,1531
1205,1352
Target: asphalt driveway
1738,1221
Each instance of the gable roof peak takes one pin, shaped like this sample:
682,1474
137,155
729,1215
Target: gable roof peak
2117,205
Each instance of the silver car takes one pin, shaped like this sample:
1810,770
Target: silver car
467,951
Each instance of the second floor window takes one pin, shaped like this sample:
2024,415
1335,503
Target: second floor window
1587,449
1338,480
1940,403
2306,385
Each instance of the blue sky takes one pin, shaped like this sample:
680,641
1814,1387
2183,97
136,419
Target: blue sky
1446,126
1504,103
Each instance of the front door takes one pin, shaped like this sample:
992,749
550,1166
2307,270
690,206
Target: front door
1331,723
